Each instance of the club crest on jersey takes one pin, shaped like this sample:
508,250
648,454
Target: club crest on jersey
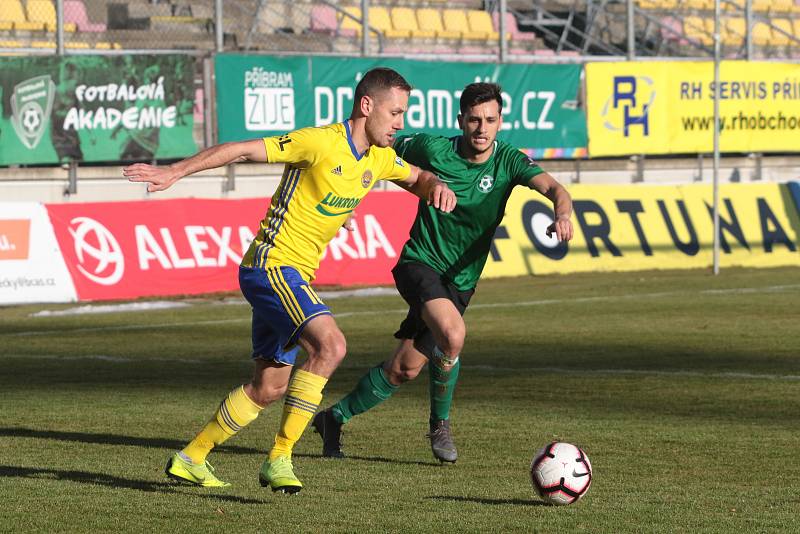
486,184
399,161
366,178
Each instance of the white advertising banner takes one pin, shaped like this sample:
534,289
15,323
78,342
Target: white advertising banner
32,268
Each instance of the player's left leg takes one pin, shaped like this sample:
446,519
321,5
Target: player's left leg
442,343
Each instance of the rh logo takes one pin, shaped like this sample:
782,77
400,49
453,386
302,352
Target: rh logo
629,105
95,245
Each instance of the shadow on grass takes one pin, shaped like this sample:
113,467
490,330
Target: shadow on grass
112,439
483,500
169,444
102,479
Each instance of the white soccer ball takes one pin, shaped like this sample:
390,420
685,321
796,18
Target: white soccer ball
561,473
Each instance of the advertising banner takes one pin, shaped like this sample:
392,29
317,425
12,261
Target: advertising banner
122,250
95,108
259,96
636,227
31,266
668,107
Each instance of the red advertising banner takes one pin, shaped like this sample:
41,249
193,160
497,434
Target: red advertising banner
122,250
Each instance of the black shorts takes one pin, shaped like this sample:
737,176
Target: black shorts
417,284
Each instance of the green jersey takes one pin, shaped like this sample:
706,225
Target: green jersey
457,244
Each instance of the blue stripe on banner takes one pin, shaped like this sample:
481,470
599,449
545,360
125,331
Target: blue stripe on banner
226,416
794,189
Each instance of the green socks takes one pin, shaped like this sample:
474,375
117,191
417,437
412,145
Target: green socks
371,390
442,387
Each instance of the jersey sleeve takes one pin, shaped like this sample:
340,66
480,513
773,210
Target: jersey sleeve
523,168
300,147
394,168
412,148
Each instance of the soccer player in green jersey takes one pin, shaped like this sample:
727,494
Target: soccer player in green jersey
442,261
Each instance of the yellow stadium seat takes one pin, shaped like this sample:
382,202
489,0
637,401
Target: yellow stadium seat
762,35
695,29
429,19
43,44
77,45
13,12
379,18
699,4
761,5
778,38
781,6
734,31
353,22
403,19
11,44
105,45
456,20
44,11
657,4
481,21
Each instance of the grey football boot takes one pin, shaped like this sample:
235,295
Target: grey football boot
442,444
330,430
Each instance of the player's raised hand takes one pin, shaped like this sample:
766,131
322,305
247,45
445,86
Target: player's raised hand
562,227
442,197
157,178
349,225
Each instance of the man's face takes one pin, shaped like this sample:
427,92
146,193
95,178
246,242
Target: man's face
480,125
385,117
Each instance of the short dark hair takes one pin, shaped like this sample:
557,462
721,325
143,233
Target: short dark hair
478,93
377,80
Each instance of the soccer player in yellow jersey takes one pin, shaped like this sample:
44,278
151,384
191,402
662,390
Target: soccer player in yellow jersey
328,171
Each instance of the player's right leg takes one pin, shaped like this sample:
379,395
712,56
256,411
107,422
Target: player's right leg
376,386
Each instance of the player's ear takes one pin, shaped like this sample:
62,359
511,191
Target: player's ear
367,103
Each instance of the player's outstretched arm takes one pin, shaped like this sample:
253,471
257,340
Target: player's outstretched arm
562,205
429,187
159,178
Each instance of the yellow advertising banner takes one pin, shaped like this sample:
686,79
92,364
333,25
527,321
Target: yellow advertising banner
639,227
668,107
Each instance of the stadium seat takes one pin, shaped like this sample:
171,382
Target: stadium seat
512,28
350,25
11,44
105,45
403,18
45,12
379,18
43,44
657,4
734,30
760,5
696,28
75,12
781,6
456,20
429,19
481,21
14,13
76,45
699,4
779,38
323,19
762,34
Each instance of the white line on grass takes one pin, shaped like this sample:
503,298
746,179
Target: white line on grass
480,367
508,304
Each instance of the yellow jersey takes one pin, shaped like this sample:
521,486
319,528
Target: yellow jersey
324,180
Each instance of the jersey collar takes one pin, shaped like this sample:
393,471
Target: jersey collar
350,142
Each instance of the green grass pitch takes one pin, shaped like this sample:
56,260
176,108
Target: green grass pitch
683,389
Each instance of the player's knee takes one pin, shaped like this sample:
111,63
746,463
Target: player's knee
333,349
265,394
453,341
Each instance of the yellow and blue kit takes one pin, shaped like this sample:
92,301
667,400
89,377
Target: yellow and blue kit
324,180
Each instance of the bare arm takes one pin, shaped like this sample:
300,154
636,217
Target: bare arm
562,204
160,178
429,187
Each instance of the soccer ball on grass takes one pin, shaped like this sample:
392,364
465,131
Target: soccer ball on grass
561,473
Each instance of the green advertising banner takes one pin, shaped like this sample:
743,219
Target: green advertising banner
260,96
96,108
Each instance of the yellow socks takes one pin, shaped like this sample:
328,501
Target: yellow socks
302,400
234,413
